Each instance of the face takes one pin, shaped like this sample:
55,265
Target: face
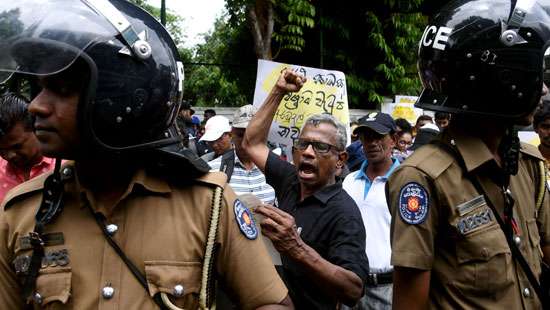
317,169
20,147
528,120
543,130
442,123
222,144
237,135
404,142
185,114
207,116
55,111
377,147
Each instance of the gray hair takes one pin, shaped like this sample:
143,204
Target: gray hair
341,134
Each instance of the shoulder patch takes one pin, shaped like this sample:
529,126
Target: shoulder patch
413,203
245,220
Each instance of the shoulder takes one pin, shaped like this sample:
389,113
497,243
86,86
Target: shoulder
350,178
344,204
430,159
212,179
27,189
530,151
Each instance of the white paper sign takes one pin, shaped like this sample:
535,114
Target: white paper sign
324,92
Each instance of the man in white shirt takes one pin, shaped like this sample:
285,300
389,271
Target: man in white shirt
366,187
243,176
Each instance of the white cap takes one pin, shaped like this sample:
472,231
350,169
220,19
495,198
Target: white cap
430,126
215,127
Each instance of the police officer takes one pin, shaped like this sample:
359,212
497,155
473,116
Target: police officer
464,207
130,223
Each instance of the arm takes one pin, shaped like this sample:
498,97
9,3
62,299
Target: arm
10,292
284,304
334,280
411,288
255,137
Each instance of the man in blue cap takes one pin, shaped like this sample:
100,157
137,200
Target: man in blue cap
366,186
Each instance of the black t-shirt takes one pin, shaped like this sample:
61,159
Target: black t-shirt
330,223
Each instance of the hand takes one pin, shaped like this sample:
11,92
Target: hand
290,81
281,229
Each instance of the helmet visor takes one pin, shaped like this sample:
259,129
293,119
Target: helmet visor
42,37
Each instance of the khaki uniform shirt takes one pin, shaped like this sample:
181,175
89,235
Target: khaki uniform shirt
162,228
439,225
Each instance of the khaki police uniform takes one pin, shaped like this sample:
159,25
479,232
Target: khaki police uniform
440,223
160,226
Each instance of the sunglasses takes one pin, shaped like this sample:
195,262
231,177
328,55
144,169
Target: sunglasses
318,147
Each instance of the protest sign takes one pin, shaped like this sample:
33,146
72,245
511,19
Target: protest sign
403,107
324,92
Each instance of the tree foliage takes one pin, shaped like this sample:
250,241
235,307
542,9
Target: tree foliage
222,72
174,21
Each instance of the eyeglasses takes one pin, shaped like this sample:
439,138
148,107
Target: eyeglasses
318,147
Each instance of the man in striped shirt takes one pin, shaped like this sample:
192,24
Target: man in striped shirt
244,177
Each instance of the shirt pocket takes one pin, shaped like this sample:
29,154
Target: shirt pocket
535,250
180,281
53,288
484,262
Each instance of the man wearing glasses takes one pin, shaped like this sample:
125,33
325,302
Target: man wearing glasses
366,186
318,229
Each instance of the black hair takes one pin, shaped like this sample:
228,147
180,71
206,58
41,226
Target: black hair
210,111
424,118
442,115
14,109
541,114
403,124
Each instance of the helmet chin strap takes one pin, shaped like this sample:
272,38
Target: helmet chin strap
509,151
510,35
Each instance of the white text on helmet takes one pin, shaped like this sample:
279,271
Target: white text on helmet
440,39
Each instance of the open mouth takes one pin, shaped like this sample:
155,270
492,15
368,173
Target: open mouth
306,170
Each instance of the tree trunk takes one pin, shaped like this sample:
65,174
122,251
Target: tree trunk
260,17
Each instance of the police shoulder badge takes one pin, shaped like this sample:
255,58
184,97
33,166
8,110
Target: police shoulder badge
413,203
245,220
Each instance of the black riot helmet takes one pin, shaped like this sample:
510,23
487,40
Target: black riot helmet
485,57
135,81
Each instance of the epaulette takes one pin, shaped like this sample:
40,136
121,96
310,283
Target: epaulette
24,190
531,150
430,159
214,178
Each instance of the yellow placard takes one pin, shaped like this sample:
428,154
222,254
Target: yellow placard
314,98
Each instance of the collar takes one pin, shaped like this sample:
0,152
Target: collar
472,149
327,192
363,175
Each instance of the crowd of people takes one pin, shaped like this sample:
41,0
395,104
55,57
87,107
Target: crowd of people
116,196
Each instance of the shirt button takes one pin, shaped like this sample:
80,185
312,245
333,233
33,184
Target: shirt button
67,172
517,240
526,292
111,229
178,290
37,298
107,292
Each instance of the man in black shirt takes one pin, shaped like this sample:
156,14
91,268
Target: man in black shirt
318,229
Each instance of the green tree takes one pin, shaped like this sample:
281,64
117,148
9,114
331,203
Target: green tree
374,43
174,21
221,72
